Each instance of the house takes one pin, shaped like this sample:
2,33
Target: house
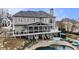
69,25
34,23
75,27
5,18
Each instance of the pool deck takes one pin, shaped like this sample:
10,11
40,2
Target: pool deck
44,43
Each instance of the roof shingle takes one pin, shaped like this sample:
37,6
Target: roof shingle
32,14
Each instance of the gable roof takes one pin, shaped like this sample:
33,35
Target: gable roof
32,14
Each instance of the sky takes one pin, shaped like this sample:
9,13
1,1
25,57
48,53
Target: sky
60,13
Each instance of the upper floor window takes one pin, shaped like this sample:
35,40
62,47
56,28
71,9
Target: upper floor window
20,19
41,20
34,19
50,21
27,19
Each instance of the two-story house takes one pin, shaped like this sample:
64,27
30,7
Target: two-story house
34,23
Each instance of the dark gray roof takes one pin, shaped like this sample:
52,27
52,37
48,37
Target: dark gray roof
32,14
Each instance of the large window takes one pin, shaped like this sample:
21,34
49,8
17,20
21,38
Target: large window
20,19
40,29
30,29
35,29
28,20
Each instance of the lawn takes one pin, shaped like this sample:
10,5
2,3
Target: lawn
13,43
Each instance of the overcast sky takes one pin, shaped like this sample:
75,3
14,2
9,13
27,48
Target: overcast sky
60,13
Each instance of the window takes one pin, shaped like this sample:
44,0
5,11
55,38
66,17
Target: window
4,24
24,19
41,20
27,19
30,29
8,23
20,19
40,29
35,28
17,19
34,19
50,21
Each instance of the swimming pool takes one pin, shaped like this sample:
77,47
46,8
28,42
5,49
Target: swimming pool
46,48
56,47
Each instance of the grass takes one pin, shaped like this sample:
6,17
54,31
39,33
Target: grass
14,43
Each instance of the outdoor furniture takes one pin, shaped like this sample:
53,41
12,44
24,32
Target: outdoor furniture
57,38
76,43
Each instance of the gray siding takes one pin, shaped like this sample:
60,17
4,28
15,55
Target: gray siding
19,28
24,20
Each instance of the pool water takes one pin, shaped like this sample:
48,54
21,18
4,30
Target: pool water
62,47
46,48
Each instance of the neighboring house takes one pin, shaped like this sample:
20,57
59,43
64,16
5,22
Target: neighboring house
5,18
33,22
69,25
75,28
65,24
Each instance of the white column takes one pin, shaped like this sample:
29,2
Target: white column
13,24
42,28
38,28
28,29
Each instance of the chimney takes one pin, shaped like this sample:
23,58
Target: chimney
52,11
